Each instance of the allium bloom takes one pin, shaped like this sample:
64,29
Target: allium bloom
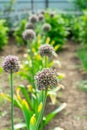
40,17
42,12
11,64
46,27
46,50
47,78
29,26
33,19
52,14
29,34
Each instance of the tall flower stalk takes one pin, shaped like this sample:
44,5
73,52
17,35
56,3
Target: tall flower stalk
29,36
45,79
12,100
11,65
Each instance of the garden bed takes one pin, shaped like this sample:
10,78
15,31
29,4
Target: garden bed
74,117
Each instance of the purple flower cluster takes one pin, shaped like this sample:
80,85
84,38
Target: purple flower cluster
46,50
46,27
47,78
40,17
29,34
29,26
11,64
33,19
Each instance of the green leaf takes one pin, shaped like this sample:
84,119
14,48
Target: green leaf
26,94
27,112
50,116
33,122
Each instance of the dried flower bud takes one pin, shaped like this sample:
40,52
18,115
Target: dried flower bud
33,19
29,34
46,50
47,78
29,26
11,64
46,27
40,17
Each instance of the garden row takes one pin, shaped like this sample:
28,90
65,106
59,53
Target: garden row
39,69
40,32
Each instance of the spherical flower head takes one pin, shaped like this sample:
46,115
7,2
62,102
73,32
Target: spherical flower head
46,27
29,26
42,12
52,14
47,78
29,34
33,19
46,50
40,17
11,64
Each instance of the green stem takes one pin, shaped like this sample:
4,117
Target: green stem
40,118
12,101
32,60
46,62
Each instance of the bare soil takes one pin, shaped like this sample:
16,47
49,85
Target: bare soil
74,117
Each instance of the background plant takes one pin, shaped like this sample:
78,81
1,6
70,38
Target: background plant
8,9
18,33
58,30
82,51
57,26
83,32
3,33
80,4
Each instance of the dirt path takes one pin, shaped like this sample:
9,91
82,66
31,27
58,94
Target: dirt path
75,115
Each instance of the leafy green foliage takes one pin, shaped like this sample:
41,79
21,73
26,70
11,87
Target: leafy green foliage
81,4
58,31
75,28
82,52
3,34
18,33
32,106
83,32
